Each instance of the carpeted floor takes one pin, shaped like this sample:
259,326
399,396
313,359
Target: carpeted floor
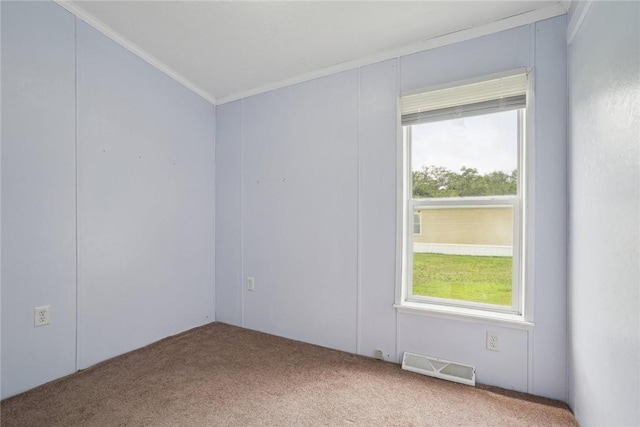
221,375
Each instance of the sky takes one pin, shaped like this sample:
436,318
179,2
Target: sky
486,142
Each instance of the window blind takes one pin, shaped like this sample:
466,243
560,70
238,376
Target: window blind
506,93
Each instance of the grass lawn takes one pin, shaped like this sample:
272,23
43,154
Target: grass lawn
464,277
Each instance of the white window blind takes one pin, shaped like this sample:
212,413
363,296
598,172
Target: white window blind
506,93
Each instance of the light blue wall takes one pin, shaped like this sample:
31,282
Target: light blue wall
318,211
604,290
145,202
38,193
141,147
376,319
299,223
548,340
228,208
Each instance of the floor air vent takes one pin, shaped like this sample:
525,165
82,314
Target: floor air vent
439,368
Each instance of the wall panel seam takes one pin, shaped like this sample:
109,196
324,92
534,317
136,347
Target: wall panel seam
241,213
358,215
75,77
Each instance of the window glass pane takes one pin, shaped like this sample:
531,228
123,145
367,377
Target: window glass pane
470,156
464,253
416,222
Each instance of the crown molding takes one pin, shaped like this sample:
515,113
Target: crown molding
133,48
432,43
439,41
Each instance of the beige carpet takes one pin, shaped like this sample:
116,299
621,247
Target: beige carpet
221,375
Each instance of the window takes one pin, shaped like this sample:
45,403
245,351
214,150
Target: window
463,200
417,223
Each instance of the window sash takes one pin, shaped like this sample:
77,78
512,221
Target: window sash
449,202
471,202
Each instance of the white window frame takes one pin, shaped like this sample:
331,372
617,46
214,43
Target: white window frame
519,314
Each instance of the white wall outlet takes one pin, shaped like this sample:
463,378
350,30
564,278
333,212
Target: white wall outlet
379,354
42,315
250,283
493,341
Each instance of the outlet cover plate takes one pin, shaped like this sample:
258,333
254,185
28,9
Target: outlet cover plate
41,316
493,341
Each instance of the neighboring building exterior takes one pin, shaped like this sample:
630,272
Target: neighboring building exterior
484,231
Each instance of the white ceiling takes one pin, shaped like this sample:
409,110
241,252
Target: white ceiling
226,50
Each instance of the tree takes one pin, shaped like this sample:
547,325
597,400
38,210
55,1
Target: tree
438,181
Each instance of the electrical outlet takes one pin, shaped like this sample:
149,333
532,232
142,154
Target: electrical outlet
379,354
250,283
42,315
493,341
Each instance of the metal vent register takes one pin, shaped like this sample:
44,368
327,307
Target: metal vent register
439,368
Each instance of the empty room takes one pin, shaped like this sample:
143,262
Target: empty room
309,213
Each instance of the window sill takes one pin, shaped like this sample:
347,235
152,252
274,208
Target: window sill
465,314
